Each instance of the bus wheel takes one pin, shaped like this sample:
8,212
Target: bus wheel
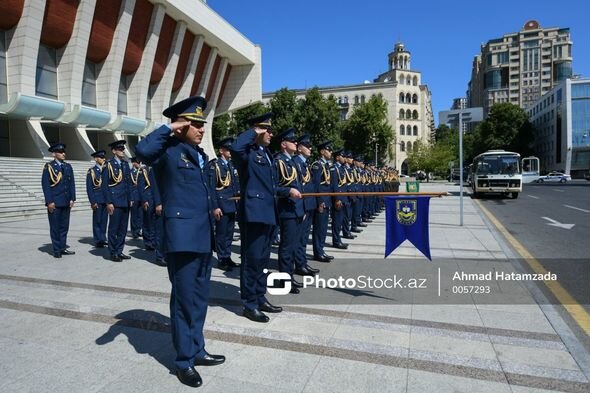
514,195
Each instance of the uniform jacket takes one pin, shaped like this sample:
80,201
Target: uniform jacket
184,189
307,183
224,181
134,176
116,183
93,185
258,182
147,188
58,184
339,181
322,178
289,176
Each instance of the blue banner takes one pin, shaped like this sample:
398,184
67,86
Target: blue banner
407,218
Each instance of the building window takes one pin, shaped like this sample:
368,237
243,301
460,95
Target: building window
345,101
402,146
356,100
402,79
3,79
408,114
89,85
46,77
415,99
415,115
402,98
409,80
402,130
409,146
122,101
415,130
402,114
415,81
363,99
408,98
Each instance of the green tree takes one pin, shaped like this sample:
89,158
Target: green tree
507,127
222,127
367,126
430,158
284,106
319,117
241,116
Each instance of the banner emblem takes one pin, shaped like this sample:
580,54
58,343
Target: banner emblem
407,211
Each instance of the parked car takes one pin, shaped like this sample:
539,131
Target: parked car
554,177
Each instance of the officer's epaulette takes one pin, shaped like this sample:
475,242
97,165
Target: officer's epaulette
212,163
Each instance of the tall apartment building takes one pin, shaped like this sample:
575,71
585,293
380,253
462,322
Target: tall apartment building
87,73
520,67
409,104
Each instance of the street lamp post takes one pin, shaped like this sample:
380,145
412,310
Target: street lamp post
376,146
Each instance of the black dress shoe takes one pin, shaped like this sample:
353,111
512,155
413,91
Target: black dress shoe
99,245
57,254
362,225
210,360
255,315
330,257
189,377
304,271
267,307
232,263
123,256
67,252
356,230
312,269
295,283
116,258
223,265
349,237
294,290
322,258
340,246
160,262
149,248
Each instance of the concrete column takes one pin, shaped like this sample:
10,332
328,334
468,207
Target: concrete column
23,48
191,69
73,60
161,98
138,90
27,139
107,82
243,86
202,89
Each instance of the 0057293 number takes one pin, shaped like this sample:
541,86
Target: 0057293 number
470,289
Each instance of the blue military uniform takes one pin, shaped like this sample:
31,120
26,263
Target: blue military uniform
258,214
136,210
149,200
321,177
338,180
350,187
116,188
97,202
59,188
291,211
357,205
224,180
180,170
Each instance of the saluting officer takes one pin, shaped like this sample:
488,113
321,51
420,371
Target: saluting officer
151,203
136,210
291,210
224,180
116,188
309,205
180,166
338,175
321,176
96,198
257,210
59,191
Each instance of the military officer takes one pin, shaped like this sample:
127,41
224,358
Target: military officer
224,180
151,204
309,205
321,176
59,191
338,177
350,187
358,205
116,188
96,199
181,173
257,210
291,210
136,210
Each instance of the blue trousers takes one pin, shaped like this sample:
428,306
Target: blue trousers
100,219
347,210
320,230
190,275
59,224
152,230
356,212
136,218
305,228
224,235
337,220
118,230
290,239
256,238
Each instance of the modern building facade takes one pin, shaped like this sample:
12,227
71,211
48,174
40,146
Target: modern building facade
409,103
561,119
87,73
520,67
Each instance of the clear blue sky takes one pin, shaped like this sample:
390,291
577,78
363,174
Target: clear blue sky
328,42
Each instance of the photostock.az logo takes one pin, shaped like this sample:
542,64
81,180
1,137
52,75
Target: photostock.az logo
278,283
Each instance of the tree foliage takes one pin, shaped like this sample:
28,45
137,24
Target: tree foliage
430,157
319,117
367,126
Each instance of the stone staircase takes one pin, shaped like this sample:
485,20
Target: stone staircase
21,194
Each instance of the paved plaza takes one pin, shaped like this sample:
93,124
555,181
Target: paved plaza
85,324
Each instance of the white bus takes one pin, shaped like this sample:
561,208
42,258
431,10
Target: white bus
497,171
